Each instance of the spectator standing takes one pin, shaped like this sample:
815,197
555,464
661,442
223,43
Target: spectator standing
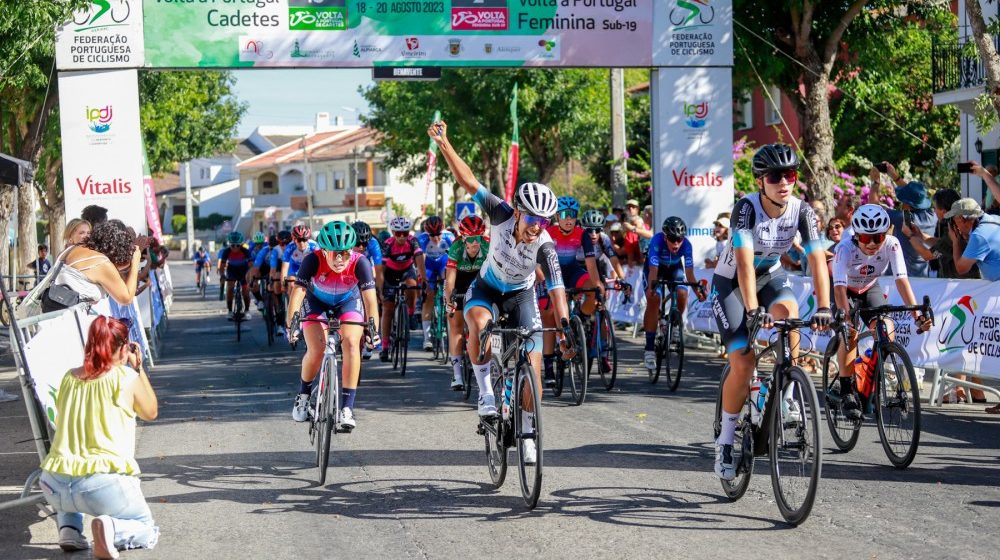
634,229
91,467
721,235
914,210
94,270
844,211
77,231
41,265
94,214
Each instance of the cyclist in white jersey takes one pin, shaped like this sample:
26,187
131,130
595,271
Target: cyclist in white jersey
518,243
857,264
749,276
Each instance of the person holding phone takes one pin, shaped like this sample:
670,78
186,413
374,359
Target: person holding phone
914,210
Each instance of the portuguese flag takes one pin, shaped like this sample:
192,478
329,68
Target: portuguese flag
431,161
515,151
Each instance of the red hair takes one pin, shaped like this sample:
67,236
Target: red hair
104,339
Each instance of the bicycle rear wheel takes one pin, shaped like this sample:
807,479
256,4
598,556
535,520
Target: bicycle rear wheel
327,410
578,365
897,406
796,447
269,324
238,311
743,455
531,474
662,348
466,378
675,351
606,347
404,342
496,449
844,431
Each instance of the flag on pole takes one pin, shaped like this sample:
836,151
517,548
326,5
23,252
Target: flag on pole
149,196
515,151
431,160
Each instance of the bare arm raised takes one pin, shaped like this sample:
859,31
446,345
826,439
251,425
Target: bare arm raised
463,174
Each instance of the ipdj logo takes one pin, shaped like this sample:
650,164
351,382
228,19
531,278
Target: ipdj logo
697,114
412,43
547,44
113,12
961,324
99,118
691,13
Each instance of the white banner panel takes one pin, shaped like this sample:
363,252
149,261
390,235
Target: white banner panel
693,33
102,144
108,34
692,149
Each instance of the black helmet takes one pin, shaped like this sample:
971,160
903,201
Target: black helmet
284,236
674,227
774,157
364,232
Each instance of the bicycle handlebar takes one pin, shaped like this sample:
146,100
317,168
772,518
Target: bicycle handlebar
521,333
924,307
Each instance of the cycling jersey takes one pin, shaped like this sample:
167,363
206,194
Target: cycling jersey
400,256
660,254
254,249
768,237
435,252
235,257
572,248
274,258
510,265
263,257
858,272
466,268
200,259
374,252
328,290
293,255
605,251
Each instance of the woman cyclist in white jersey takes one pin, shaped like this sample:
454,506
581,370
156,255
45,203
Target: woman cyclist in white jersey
748,276
857,264
518,243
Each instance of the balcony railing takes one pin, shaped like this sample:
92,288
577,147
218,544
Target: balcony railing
957,66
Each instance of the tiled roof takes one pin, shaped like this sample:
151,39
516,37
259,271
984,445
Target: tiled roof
342,146
166,184
281,140
245,150
293,150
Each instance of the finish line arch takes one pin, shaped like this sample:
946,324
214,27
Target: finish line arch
688,43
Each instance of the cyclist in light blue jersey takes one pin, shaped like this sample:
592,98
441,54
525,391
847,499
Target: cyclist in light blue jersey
435,243
302,245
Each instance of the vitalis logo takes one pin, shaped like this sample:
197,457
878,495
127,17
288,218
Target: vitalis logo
696,114
99,119
684,178
691,14
961,324
93,186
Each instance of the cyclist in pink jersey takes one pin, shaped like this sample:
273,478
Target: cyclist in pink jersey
404,265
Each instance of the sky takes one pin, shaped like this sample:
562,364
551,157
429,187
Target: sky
293,97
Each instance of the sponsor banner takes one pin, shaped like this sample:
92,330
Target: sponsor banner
965,336
102,144
692,149
693,33
108,34
365,33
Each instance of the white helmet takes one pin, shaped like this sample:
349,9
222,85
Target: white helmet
400,223
536,199
870,218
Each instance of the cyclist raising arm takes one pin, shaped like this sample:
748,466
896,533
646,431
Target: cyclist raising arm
334,279
518,242
749,276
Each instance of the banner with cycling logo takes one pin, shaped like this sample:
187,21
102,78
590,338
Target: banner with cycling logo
965,336
108,34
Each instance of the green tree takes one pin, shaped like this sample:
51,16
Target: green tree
637,135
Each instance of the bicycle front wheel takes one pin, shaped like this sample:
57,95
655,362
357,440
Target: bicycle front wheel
578,365
496,448
609,349
466,378
327,408
743,456
662,349
528,428
897,406
674,360
844,431
795,446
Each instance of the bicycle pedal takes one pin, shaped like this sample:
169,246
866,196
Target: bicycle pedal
480,429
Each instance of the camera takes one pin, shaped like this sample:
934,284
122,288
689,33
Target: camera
882,167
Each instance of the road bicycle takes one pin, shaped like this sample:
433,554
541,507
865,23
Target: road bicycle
896,391
399,335
782,422
602,345
669,341
578,366
467,380
439,327
203,282
239,311
267,313
516,391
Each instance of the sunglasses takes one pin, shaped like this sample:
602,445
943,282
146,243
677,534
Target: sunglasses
343,255
401,233
535,221
475,239
774,177
568,213
674,239
869,238
836,226
595,230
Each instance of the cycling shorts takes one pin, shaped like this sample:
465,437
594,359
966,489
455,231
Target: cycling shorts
237,272
575,276
463,280
675,273
874,296
314,310
393,278
520,307
435,273
199,266
730,313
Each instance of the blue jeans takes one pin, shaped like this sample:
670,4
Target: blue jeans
115,495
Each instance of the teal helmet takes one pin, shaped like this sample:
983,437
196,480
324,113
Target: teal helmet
259,238
383,235
235,238
337,236
592,219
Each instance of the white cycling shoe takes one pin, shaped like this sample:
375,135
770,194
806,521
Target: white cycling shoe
300,411
649,360
487,406
530,452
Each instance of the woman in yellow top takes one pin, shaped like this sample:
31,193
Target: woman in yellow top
91,466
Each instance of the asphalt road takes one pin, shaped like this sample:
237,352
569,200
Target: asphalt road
228,474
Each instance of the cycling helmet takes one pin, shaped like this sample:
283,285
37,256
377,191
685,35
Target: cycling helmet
774,157
675,227
433,225
259,238
870,218
364,232
383,235
235,238
272,241
567,203
471,226
536,199
400,223
592,219
284,236
337,236
301,233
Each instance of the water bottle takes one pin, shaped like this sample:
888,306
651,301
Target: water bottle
761,401
505,409
754,399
